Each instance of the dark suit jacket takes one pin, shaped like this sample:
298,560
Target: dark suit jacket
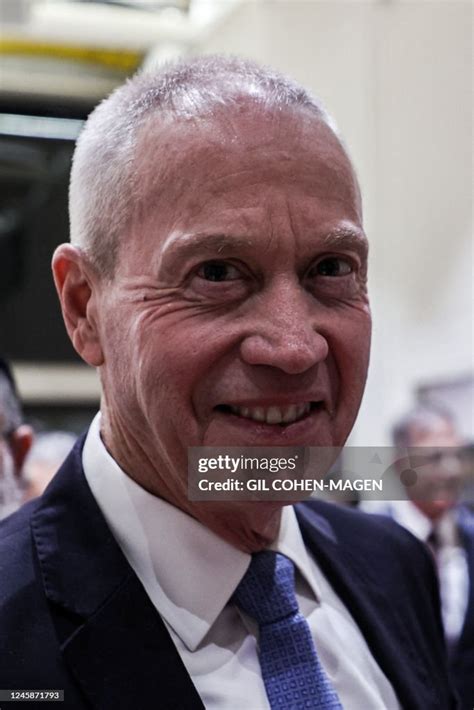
462,657
74,616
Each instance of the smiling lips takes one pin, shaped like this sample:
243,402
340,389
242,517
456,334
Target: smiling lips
287,414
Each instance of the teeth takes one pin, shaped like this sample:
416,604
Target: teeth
302,409
291,413
258,414
274,415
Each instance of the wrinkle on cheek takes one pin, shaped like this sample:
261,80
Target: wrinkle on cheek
339,304
152,310
361,305
182,312
184,303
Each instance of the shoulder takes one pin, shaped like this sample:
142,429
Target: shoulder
17,559
375,543
19,547
15,533
387,579
25,628
365,530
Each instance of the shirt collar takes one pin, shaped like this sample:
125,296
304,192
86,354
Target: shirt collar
290,543
188,571
407,514
411,518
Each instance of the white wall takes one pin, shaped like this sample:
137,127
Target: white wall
397,78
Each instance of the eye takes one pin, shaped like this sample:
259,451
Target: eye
218,271
332,266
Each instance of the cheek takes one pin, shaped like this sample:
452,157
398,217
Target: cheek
349,345
169,364
125,375
351,330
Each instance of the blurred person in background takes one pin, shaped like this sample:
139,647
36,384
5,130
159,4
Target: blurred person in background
16,439
433,512
48,452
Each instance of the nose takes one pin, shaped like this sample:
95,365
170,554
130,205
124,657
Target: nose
283,332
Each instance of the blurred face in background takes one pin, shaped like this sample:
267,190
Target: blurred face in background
440,479
38,475
15,442
10,489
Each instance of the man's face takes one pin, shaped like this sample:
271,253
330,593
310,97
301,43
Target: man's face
440,480
238,313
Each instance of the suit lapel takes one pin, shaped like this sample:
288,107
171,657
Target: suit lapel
466,528
385,632
112,638
123,656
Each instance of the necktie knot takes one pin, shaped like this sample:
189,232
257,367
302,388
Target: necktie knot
267,590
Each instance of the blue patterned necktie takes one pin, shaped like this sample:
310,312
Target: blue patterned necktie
291,670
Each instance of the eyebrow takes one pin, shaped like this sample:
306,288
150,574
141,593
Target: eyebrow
186,246
348,238
199,242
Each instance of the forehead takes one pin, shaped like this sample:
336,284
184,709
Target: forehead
241,169
171,150
439,432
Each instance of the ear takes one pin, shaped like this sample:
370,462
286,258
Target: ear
20,443
77,285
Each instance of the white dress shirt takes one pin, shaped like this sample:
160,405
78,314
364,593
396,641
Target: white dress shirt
451,561
190,574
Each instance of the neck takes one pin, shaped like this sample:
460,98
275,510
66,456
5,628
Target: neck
250,527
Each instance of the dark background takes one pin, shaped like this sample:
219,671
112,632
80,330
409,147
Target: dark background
34,175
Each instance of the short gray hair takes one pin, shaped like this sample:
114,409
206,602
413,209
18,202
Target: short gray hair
422,417
103,190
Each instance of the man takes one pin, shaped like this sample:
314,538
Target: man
217,279
434,514
15,441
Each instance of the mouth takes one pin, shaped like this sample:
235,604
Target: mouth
283,416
